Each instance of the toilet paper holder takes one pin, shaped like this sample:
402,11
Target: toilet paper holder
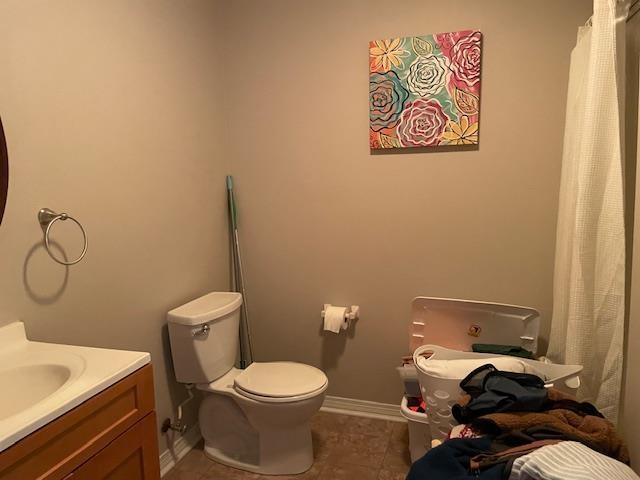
352,313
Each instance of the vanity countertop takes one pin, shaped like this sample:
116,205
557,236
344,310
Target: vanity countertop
42,381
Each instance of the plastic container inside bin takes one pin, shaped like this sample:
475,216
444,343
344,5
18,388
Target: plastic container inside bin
409,376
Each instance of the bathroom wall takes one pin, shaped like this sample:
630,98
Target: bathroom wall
111,113
123,114
324,220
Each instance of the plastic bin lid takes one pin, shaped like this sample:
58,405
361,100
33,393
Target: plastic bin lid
457,324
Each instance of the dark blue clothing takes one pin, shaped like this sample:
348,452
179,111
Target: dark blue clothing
450,461
494,391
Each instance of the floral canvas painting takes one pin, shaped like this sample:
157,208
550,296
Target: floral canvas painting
425,91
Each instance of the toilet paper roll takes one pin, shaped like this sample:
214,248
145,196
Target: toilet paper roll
334,319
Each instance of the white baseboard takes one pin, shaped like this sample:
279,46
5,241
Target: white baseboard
362,408
181,446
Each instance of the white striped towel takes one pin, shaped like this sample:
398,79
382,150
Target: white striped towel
569,461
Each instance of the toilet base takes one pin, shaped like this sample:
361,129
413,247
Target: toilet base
269,439
281,453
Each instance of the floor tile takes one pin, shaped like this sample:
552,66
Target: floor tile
397,459
176,474
348,472
359,449
194,461
323,443
389,475
368,426
400,433
312,474
329,422
218,471
367,443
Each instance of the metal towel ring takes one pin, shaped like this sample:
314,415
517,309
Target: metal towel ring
47,218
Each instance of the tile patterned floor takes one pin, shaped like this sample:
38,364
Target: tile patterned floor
345,448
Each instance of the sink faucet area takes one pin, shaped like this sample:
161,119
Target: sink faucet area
42,381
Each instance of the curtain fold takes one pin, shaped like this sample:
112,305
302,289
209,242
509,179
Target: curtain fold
589,278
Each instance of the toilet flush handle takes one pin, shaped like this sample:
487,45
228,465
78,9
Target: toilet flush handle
204,330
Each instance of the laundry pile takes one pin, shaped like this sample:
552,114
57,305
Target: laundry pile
513,428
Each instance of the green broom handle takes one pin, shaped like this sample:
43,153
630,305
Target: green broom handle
232,203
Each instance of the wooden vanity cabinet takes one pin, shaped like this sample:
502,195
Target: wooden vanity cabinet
110,436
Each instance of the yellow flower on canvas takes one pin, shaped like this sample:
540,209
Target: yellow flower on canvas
461,133
387,53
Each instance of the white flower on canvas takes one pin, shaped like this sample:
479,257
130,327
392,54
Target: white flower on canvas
428,75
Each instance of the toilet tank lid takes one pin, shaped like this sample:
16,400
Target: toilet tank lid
206,308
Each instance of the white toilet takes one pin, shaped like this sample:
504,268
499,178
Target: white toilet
255,419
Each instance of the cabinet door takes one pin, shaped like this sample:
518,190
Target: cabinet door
131,456
68,442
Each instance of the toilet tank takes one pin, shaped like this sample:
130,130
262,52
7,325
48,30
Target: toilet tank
204,336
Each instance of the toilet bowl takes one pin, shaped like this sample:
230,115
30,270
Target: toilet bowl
256,419
273,435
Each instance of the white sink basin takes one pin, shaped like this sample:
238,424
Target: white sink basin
29,385
41,381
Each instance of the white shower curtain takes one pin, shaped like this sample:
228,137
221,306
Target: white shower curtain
589,278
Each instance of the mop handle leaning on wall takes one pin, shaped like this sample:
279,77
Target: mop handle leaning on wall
239,273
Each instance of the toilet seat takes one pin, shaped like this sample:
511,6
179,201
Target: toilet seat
279,382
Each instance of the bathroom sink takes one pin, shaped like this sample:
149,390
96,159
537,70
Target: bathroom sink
29,384
42,381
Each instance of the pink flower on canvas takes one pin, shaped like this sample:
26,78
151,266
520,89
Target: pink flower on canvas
446,41
465,58
422,123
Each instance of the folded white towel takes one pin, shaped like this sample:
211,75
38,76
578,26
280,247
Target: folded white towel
569,461
458,369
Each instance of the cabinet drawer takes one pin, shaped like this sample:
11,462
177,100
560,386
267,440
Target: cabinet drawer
131,456
58,448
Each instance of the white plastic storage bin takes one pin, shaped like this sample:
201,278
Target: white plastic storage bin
419,431
440,394
409,377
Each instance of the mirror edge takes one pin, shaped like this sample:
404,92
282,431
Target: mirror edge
4,172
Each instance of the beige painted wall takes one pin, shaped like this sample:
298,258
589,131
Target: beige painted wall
110,111
323,220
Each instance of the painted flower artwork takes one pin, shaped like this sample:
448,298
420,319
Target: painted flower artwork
425,91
